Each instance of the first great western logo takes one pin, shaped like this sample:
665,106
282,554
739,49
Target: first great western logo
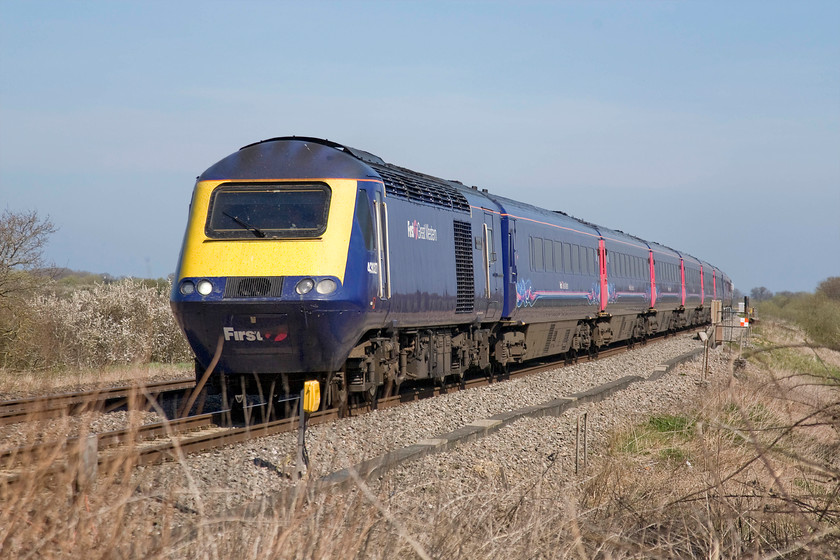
424,232
235,335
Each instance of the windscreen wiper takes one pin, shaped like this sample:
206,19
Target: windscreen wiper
256,231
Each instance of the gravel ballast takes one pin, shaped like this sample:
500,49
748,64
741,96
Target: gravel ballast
214,482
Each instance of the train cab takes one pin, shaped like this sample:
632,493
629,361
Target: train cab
282,263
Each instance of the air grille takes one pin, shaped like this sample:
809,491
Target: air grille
419,188
549,338
254,287
464,267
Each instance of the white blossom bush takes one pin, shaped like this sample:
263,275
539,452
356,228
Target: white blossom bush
119,323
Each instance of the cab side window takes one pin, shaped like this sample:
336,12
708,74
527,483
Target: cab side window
365,219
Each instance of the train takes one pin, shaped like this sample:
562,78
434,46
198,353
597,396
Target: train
305,259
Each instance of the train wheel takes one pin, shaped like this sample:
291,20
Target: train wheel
502,371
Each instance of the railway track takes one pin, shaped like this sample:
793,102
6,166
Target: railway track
97,400
169,440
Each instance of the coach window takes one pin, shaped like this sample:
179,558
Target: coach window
567,258
548,249
531,250
537,254
491,244
575,259
558,256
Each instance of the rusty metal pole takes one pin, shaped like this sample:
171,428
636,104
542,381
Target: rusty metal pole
577,444
585,437
302,458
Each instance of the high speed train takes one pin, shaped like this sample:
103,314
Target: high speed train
306,259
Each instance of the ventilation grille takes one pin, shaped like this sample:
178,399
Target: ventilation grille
417,188
254,287
550,338
464,267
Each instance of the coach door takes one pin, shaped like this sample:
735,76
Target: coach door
492,266
508,239
382,245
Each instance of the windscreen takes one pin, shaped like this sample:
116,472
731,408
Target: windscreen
268,211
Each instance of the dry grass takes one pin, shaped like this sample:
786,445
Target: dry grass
751,471
19,384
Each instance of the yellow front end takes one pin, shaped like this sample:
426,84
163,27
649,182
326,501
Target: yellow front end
326,255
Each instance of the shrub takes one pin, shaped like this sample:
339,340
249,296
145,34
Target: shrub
119,323
830,288
818,314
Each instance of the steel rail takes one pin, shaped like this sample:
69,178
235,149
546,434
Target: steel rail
28,453
230,436
105,399
182,442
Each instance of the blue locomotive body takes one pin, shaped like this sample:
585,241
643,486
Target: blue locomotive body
306,259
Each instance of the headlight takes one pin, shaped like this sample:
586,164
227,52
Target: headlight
305,286
326,286
204,287
187,287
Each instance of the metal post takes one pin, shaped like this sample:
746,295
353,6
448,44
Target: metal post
302,456
577,445
585,437
88,463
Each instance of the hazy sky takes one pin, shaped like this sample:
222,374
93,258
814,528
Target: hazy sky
711,127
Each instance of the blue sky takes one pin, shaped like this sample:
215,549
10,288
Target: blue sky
712,127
